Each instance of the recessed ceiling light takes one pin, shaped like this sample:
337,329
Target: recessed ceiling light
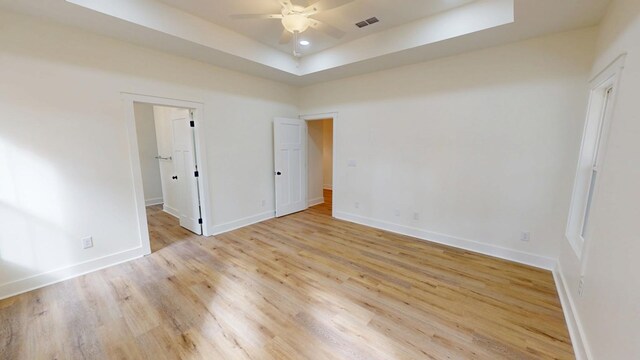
304,43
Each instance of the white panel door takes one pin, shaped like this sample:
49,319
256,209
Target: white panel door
185,168
290,160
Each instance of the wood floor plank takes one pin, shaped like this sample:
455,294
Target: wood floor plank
305,286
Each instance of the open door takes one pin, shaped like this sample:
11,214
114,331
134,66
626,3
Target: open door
186,170
290,160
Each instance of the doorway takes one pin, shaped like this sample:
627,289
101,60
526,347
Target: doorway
320,163
303,163
167,164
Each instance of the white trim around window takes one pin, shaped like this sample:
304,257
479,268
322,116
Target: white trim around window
590,163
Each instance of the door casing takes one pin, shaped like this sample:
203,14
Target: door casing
334,184
128,100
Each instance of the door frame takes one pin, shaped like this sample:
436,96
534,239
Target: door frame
334,117
128,100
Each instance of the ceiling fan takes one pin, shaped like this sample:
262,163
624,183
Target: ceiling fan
297,19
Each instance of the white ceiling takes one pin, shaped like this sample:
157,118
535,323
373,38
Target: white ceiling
401,39
390,13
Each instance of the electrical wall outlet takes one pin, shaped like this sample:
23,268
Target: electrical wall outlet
416,216
525,236
352,163
87,242
356,205
581,286
397,212
263,203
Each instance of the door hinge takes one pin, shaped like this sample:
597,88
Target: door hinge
192,123
199,221
196,173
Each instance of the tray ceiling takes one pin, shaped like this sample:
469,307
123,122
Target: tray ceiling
267,31
410,31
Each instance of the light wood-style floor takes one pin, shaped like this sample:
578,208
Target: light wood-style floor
301,287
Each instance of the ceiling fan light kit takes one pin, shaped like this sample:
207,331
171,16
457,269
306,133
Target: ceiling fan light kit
295,23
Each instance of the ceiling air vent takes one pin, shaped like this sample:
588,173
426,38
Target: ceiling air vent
367,22
373,20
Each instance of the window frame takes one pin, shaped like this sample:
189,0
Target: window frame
602,98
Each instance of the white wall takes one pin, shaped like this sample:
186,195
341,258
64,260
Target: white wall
609,310
63,141
148,150
327,153
315,148
481,145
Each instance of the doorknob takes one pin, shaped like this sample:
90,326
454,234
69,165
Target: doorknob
278,173
174,177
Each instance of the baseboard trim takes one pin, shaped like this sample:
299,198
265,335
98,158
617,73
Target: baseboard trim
576,332
236,224
171,211
154,201
316,201
54,276
466,244
327,187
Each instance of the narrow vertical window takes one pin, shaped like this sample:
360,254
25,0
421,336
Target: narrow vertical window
594,168
584,199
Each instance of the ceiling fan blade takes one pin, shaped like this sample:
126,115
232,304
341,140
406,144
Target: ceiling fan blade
286,4
285,38
327,29
324,5
256,16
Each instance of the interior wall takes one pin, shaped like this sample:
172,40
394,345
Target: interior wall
327,153
71,175
164,146
608,311
315,162
469,150
148,150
